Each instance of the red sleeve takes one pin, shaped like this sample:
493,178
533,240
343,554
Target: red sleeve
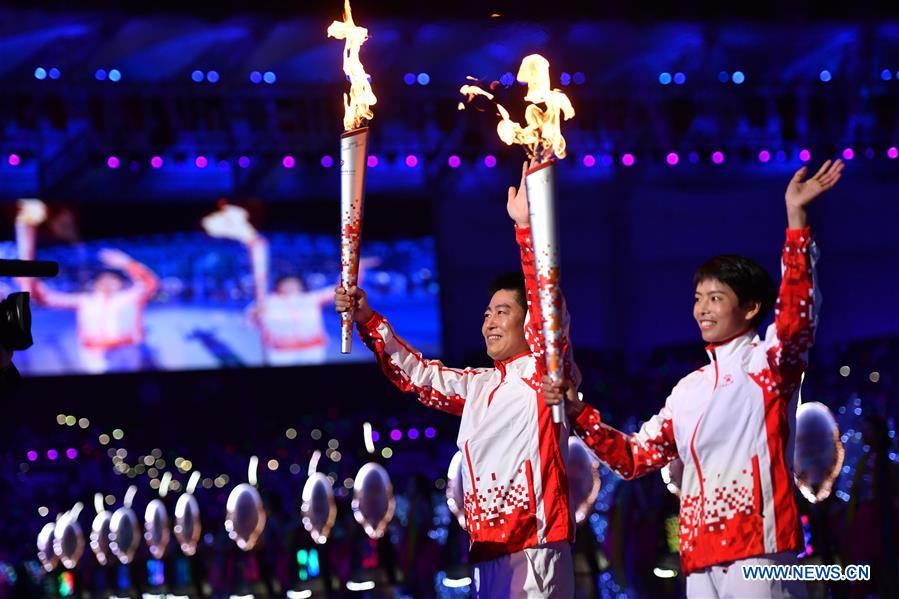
143,278
437,386
533,331
795,313
629,456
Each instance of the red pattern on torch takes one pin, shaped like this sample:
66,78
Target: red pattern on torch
353,145
540,183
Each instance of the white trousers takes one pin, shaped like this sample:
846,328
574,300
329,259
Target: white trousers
540,572
726,581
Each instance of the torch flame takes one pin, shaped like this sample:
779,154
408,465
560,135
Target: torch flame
542,133
357,104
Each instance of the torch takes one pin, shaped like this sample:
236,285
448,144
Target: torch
542,137
353,144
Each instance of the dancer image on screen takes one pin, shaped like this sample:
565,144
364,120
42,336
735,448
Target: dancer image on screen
514,474
731,422
110,313
290,318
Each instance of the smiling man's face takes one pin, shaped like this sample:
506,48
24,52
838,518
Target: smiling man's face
503,327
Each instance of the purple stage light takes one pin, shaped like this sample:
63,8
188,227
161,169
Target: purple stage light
156,161
412,433
764,156
454,161
589,161
14,160
71,453
243,162
411,160
52,454
32,456
256,77
372,161
805,155
430,432
718,157
628,160
893,153
490,161
375,436
201,162
672,158
396,435
848,154
327,161
289,161
112,162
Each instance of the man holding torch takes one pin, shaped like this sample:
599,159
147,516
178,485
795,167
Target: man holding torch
514,474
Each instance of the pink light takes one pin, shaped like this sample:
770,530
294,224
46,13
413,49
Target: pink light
672,158
289,161
396,434
14,160
32,456
805,155
848,154
490,161
454,161
764,155
589,161
201,162
71,453
628,160
893,153
156,162
372,161
411,160
52,454
718,157
112,162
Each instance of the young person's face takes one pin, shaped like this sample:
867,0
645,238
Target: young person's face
108,283
289,286
718,312
503,327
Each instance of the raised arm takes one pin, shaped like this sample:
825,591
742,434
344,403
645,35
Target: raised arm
30,215
796,310
233,222
437,386
517,207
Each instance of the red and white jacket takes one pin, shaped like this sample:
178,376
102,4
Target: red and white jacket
514,468
107,321
732,425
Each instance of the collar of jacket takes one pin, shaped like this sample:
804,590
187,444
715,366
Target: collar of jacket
722,350
501,365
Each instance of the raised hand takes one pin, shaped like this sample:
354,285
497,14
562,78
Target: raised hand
31,212
115,258
801,191
517,205
230,222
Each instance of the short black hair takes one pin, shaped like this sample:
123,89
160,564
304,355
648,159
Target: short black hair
511,281
746,277
109,271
